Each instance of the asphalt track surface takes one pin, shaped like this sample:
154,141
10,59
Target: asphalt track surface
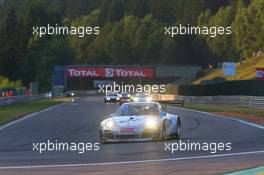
79,121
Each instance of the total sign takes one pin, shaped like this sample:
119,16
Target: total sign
260,73
129,72
109,72
84,72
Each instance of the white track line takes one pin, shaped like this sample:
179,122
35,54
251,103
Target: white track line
228,118
28,116
131,162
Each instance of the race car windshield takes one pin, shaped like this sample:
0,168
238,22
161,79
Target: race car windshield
131,110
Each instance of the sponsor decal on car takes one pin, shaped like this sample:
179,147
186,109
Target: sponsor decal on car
127,130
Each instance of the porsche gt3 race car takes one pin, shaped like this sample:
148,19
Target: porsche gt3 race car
140,121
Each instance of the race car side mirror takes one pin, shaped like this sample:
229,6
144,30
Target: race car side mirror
112,115
164,107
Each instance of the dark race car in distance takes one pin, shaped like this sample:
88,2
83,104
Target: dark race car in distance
125,97
112,97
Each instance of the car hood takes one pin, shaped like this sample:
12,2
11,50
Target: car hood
130,121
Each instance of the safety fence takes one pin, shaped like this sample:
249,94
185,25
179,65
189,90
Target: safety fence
226,88
243,101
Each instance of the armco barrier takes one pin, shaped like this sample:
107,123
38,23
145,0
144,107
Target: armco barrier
163,97
18,99
244,101
227,88
168,99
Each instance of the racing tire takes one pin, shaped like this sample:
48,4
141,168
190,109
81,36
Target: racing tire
178,132
163,137
101,138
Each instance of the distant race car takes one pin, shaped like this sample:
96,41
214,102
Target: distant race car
140,121
112,97
70,94
125,97
141,97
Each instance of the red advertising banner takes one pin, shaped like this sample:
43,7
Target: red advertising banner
109,72
260,73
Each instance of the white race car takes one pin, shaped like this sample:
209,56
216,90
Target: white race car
140,121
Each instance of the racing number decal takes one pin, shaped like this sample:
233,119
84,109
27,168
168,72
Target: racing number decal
170,121
123,108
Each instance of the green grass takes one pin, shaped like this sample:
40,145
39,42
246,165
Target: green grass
245,70
228,109
14,111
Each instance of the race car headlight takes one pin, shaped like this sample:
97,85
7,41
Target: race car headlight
148,99
117,98
109,124
128,95
151,123
107,98
136,99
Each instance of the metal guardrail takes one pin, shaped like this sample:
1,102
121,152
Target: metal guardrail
244,101
168,99
18,99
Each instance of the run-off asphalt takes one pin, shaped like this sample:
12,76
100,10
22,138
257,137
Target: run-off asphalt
79,121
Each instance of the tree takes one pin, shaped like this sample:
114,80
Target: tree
45,53
80,45
222,45
10,46
139,8
248,28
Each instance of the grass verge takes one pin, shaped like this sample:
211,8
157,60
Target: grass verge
15,111
252,114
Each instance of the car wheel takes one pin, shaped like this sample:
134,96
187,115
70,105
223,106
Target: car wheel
178,132
163,136
102,141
